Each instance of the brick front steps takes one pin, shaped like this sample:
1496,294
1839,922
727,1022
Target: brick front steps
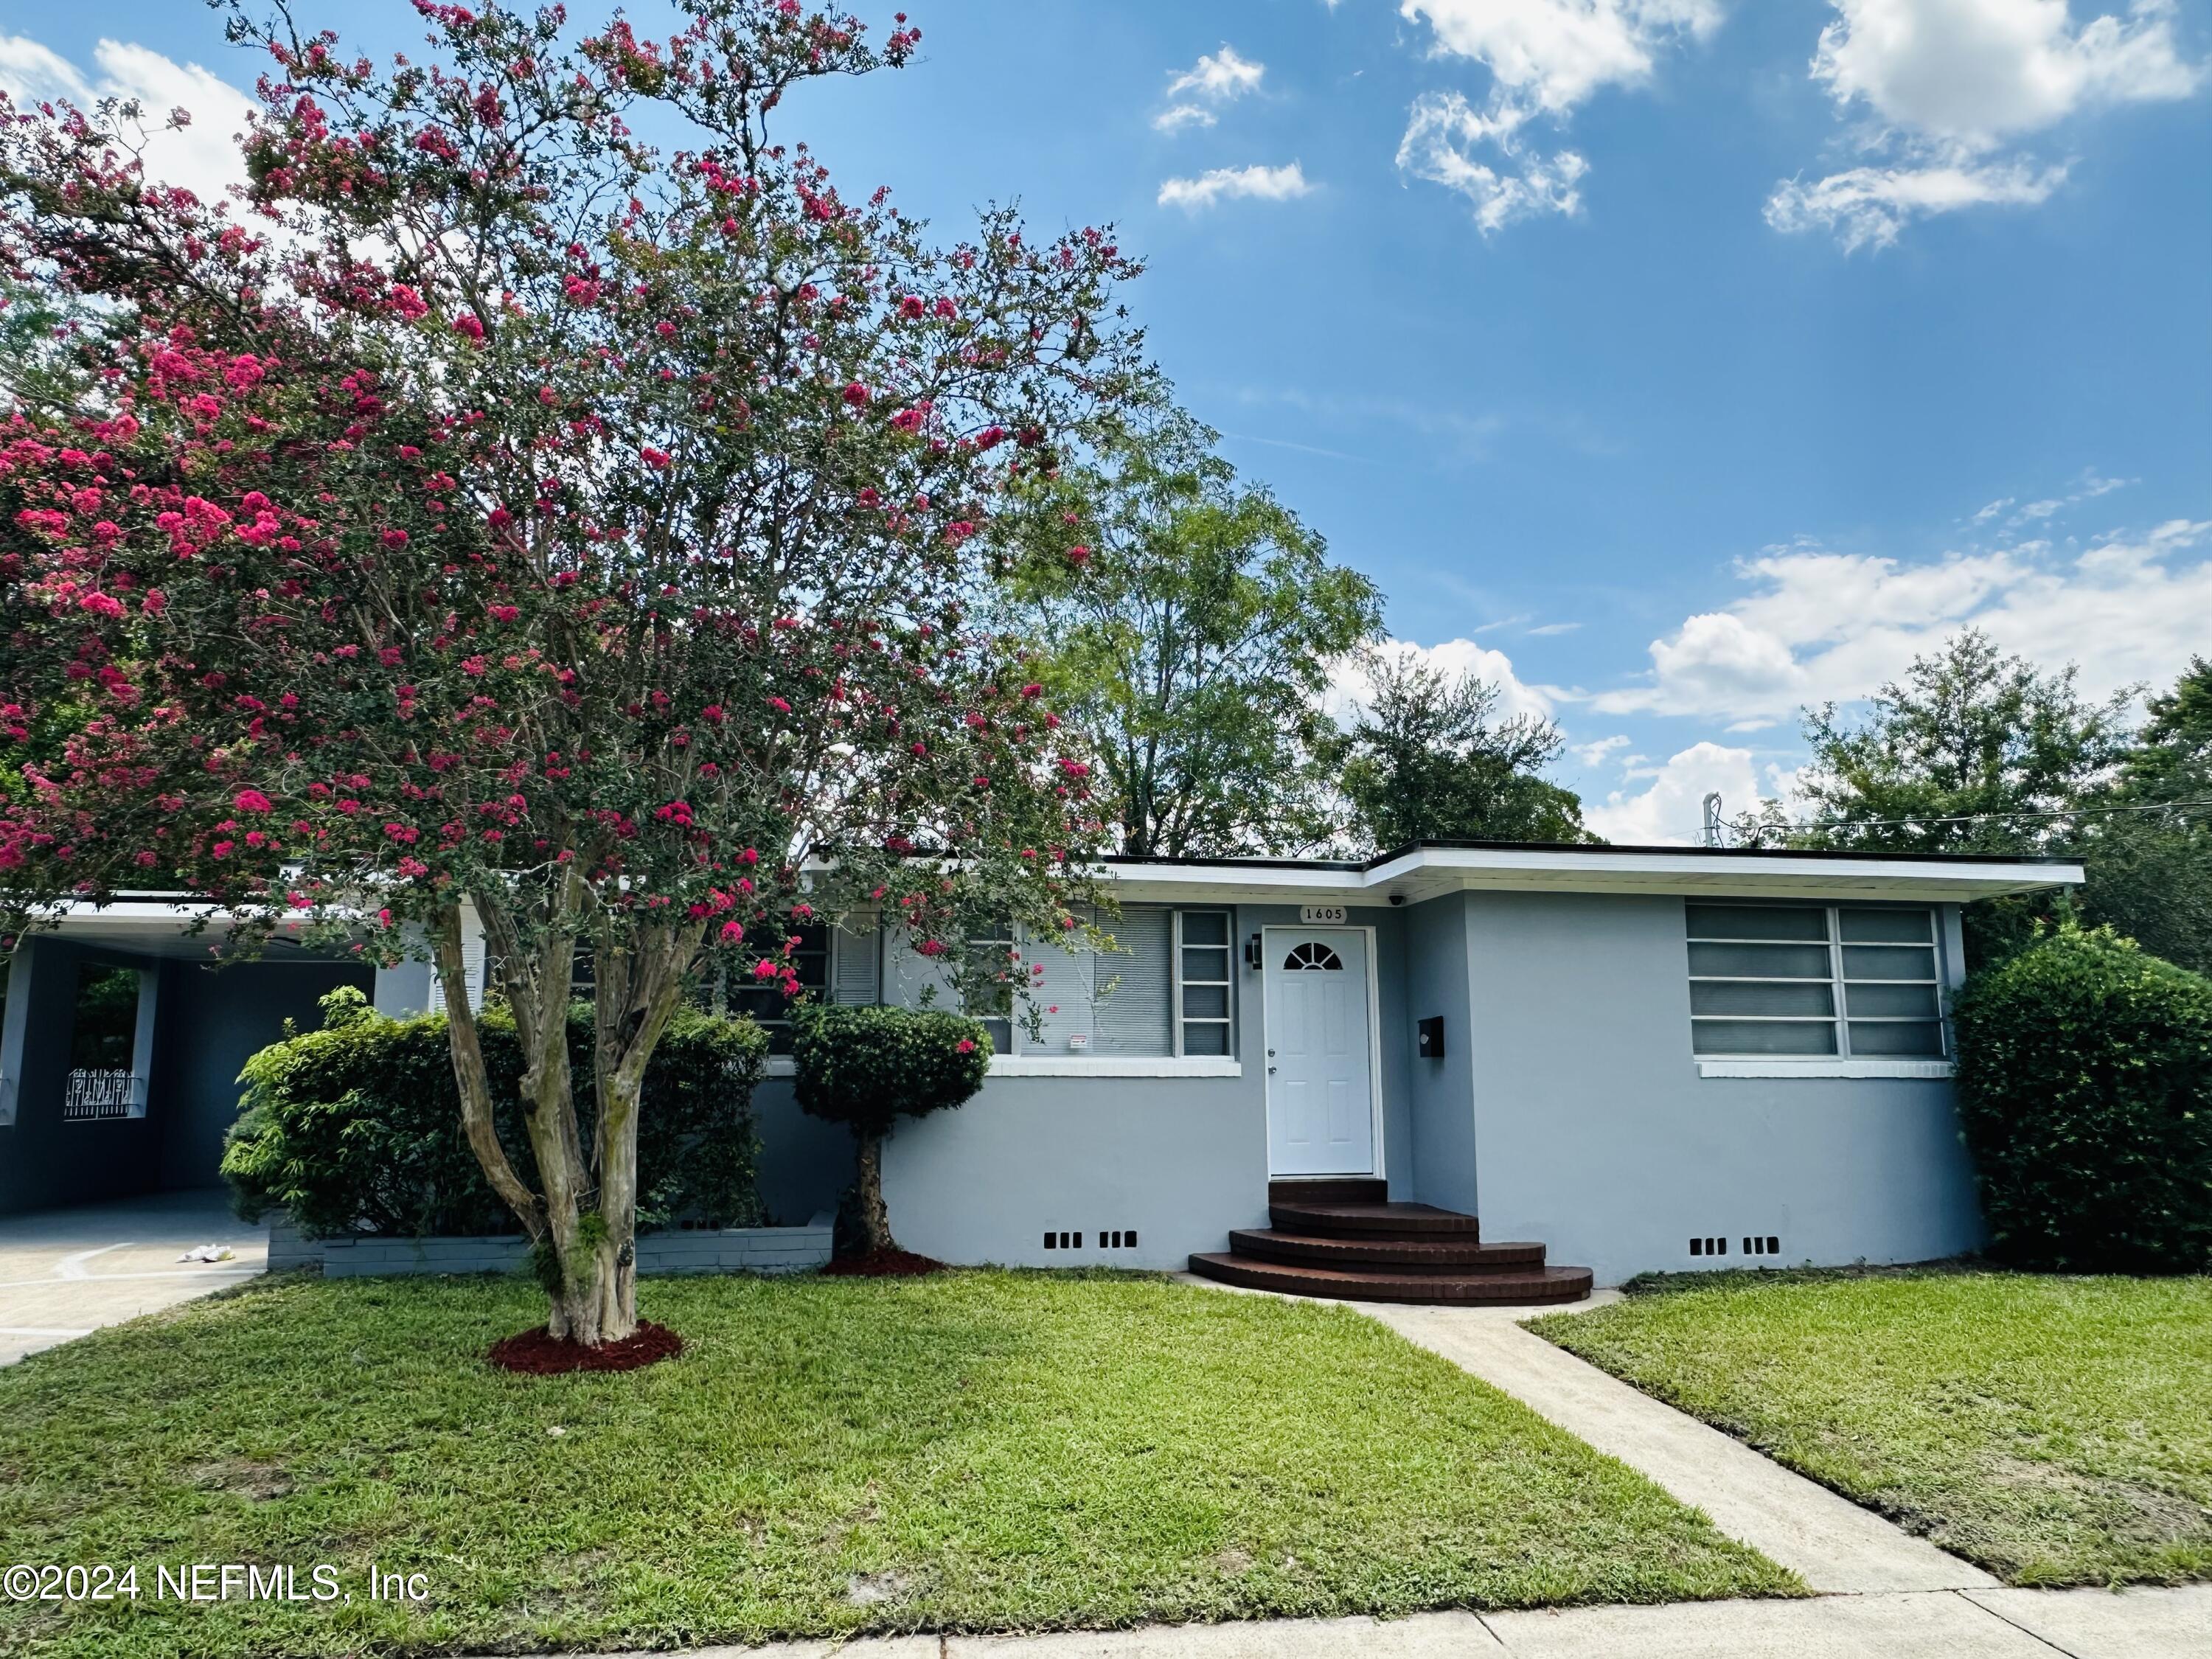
1345,1238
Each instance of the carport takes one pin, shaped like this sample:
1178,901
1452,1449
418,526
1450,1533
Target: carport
120,1045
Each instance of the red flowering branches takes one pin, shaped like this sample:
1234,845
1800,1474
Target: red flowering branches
489,515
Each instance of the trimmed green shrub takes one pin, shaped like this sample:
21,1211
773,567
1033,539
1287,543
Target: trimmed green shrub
358,1126
2085,1085
868,1067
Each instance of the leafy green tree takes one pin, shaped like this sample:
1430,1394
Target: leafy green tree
1430,761
2149,854
1973,752
867,1068
1191,627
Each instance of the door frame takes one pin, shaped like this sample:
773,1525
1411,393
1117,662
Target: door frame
1374,1037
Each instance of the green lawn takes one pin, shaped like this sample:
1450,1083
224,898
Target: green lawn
2057,1431
981,1451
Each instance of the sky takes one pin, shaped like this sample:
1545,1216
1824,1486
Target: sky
1677,364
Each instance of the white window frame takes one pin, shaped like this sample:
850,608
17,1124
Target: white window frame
1842,1062
1227,1018
138,1087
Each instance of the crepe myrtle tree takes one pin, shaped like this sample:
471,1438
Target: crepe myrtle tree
487,513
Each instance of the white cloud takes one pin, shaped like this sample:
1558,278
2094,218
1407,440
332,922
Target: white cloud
1939,88
1555,54
1545,57
1215,79
202,157
1668,811
1440,146
1976,72
1869,206
1549,628
1266,183
1594,753
1350,688
1219,76
1826,626
1176,116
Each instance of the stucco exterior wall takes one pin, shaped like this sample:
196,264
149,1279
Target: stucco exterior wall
1444,1156
1180,1160
217,1019
805,1163
1597,1136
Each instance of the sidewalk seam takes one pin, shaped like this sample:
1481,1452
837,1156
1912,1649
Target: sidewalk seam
1968,1596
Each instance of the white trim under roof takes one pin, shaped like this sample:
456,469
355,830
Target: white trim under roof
1424,872
138,921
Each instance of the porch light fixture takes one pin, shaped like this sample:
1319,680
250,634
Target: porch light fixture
1252,954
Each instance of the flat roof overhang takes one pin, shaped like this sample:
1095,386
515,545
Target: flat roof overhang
1415,874
156,923
161,924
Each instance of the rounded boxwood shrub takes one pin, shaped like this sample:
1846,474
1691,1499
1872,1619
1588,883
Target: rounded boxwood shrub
357,1126
2085,1086
868,1067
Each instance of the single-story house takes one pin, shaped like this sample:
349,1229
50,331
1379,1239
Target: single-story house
1638,1058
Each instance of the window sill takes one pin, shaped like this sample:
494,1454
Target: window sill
1827,1067
1116,1065
782,1066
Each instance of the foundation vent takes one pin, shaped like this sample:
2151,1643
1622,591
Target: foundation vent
1752,1244
1107,1239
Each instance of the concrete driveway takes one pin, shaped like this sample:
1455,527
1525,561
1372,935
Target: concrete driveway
65,1273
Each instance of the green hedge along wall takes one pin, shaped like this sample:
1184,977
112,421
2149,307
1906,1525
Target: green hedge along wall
357,1126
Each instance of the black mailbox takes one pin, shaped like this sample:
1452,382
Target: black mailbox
1431,1030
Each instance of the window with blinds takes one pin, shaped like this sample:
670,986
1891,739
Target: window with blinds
724,987
1166,987
1849,981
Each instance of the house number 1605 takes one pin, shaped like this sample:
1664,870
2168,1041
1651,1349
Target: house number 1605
1322,916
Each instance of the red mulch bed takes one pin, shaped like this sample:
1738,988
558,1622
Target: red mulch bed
884,1264
536,1354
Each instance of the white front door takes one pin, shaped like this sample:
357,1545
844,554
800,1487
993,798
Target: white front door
1321,1069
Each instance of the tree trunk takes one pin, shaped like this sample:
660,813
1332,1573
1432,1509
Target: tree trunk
637,992
589,1301
874,1220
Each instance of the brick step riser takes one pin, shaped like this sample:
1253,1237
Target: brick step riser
1558,1285
1347,1189
1321,1223
1402,1256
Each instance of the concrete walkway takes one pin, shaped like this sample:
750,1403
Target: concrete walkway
65,1273
1833,1544
2006,1624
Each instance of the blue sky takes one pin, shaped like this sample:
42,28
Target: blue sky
1678,362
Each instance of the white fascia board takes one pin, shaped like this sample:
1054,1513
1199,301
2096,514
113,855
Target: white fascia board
1426,871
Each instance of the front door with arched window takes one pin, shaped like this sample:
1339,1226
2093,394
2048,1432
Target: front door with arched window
1320,1063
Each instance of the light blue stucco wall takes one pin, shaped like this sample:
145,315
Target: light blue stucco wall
1568,1109
1597,1136
1180,1160
1443,1155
